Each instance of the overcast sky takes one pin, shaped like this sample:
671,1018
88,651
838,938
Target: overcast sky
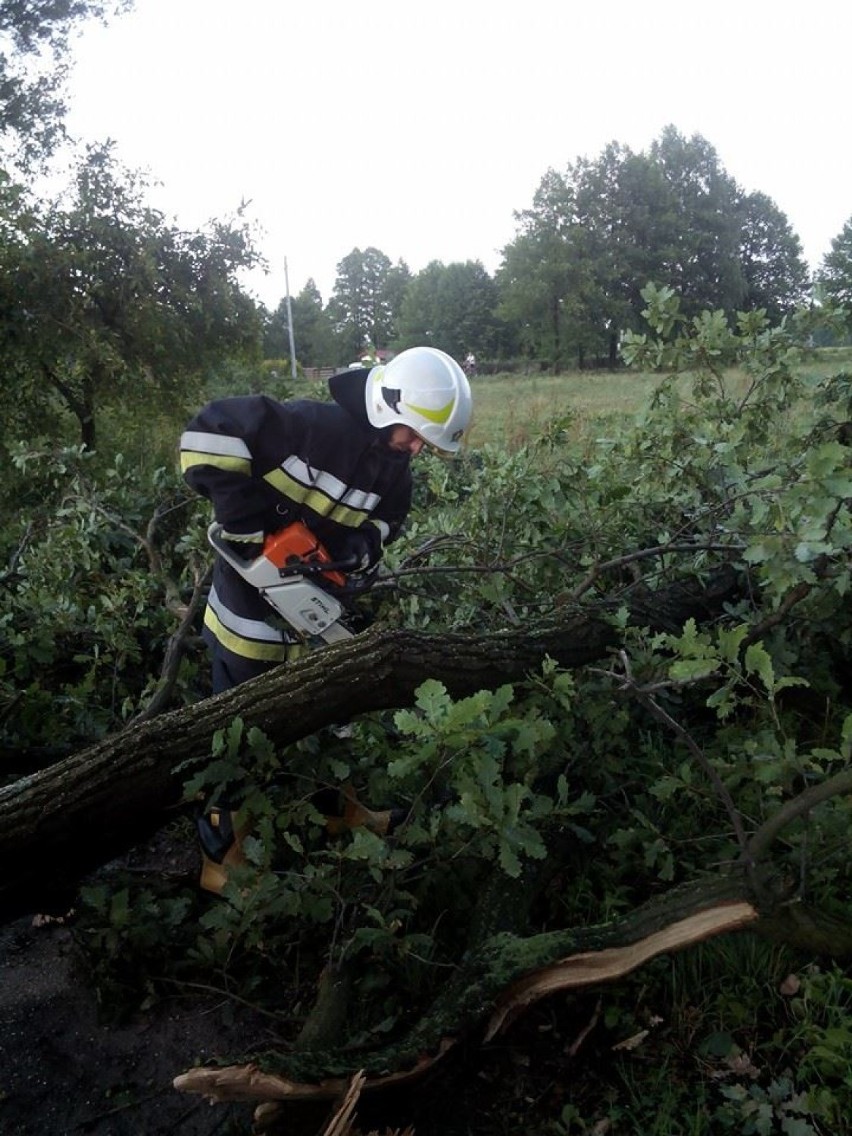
419,128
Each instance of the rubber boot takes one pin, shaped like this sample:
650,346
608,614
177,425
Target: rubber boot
220,833
355,815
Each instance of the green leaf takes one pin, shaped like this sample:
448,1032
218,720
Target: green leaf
432,698
730,640
687,670
757,661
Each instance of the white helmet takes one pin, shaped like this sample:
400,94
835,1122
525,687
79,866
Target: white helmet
425,389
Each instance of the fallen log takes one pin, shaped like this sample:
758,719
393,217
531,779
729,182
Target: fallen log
61,822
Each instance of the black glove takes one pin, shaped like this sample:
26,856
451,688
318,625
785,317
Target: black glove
364,547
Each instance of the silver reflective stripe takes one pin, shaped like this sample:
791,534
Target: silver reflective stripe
383,528
214,444
248,628
332,486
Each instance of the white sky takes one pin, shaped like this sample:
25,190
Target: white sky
419,128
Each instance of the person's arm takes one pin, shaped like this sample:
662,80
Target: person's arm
217,461
386,523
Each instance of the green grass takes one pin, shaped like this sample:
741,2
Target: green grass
509,410
512,410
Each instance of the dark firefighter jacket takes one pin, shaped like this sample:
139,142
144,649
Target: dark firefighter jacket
264,464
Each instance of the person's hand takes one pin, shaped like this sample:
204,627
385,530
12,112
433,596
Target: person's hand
364,547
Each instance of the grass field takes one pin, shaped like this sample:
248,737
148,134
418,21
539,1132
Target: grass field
510,410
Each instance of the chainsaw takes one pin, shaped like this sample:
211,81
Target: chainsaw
284,574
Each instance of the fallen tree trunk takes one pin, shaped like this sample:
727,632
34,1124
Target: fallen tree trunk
59,823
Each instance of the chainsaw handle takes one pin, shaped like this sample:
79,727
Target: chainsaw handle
217,543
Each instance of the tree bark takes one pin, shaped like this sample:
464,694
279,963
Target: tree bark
59,823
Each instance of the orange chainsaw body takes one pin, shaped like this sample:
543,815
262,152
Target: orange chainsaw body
297,544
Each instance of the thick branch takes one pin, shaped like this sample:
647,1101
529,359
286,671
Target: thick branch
175,650
81,812
837,786
491,988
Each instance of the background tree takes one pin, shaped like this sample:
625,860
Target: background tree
835,274
313,334
774,271
542,279
623,225
704,267
452,307
597,233
104,302
365,302
276,334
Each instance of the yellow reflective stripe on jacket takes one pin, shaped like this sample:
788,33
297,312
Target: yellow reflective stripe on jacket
200,447
188,459
309,477
247,648
314,499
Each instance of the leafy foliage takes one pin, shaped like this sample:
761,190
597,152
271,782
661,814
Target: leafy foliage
567,799
367,296
451,306
83,599
596,233
126,307
835,274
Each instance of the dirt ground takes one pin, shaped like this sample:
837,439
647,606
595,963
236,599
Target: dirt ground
62,1071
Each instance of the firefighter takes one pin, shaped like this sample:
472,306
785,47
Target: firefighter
340,467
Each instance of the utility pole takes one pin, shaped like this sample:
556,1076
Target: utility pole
290,323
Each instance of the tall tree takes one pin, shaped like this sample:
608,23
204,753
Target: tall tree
365,302
774,270
835,274
625,226
705,267
543,278
312,328
452,307
596,234
102,300
313,336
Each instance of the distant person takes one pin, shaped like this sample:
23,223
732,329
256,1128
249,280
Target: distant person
470,364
